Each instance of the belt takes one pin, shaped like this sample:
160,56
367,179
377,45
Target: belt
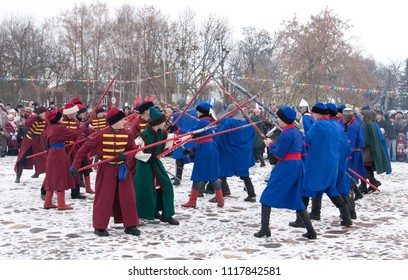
294,156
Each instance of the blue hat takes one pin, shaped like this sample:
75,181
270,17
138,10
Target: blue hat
332,109
204,107
341,108
366,108
287,114
320,108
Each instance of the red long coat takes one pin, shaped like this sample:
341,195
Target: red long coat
12,144
35,140
112,196
57,177
137,126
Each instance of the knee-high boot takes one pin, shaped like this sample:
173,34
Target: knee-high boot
357,193
76,194
351,205
19,172
88,188
265,216
311,233
225,187
299,222
61,201
344,210
192,201
48,200
250,189
179,172
316,207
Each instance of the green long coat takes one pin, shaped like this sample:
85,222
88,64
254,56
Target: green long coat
149,199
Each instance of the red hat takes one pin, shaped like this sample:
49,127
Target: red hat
114,115
76,100
53,116
81,109
70,108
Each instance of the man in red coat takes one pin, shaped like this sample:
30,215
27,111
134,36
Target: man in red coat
33,143
114,192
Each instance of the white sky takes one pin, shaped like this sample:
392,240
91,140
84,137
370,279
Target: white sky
378,26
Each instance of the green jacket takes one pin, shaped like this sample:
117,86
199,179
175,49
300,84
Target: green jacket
150,199
372,142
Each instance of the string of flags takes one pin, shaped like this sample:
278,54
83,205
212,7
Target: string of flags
88,81
296,85
326,87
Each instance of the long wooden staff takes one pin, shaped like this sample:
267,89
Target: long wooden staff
365,180
94,109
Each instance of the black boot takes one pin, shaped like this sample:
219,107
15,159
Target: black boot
357,193
19,172
250,189
311,233
179,172
170,221
316,207
225,187
43,192
351,205
363,188
75,193
344,210
297,223
101,232
133,230
265,215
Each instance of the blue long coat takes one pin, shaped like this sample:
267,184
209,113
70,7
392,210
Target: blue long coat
326,143
206,163
235,148
284,188
185,122
355,135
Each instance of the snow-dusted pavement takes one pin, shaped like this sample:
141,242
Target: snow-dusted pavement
29,232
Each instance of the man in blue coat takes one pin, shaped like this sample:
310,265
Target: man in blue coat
235,150
326,144
284,188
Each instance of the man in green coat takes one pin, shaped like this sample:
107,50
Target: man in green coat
153,188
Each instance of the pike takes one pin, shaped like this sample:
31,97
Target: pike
211,124
44,152
179,110
207,136
201,88
224,90
363,179
94,109
131,152
241,89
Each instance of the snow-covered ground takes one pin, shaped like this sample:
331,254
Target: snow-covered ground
29,232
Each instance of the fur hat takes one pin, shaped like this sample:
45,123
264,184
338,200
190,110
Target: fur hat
99,110
332,109
204,107
156,116
70,108
320,108
41,109
81,109
114,115
144,106
54,116
286,114
341,108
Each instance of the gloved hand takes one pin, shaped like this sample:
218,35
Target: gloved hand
86,124
152,159
39,119
267,141
73,171
172,128
187,152
121,156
